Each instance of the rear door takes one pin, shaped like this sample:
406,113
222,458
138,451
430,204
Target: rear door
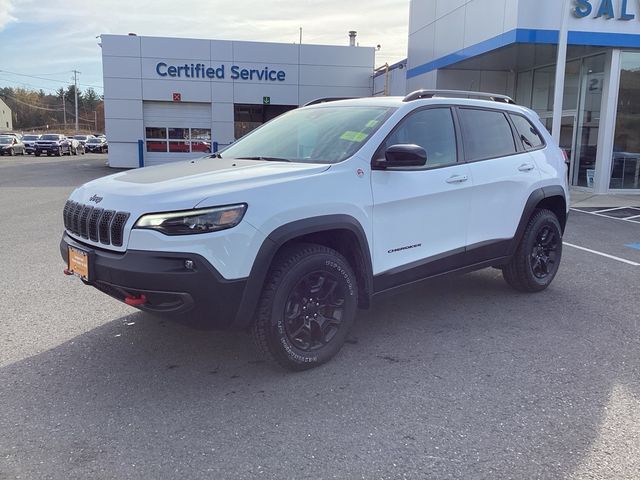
504,174
420,214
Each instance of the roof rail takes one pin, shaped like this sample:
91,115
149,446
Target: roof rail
326,100
418,94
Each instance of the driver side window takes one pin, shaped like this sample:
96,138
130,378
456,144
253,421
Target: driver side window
431,129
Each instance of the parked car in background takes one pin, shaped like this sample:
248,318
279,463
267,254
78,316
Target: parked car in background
52,144
30,142
83,138
77,148
10,145
96,145
18,136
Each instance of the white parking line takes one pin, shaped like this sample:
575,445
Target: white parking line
598,214
609,209
628,262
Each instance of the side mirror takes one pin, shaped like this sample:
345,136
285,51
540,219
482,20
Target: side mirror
405,155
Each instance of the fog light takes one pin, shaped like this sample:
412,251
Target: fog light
188,264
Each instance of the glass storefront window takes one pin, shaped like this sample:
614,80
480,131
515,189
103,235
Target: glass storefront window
523,91
588,121
625,167
543,83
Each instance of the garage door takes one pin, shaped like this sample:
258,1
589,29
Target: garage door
176,131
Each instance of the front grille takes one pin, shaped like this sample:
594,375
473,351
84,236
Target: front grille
96,224
103,226
117,228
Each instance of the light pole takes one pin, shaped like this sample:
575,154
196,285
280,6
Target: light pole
561,65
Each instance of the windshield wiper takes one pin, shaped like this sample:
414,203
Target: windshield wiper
266,159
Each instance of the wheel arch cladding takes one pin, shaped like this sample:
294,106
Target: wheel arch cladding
552,198
342,233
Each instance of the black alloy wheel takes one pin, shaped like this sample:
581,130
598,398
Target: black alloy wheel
314,311
544,255
307,306
537,258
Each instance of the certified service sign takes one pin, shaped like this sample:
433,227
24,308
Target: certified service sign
220,72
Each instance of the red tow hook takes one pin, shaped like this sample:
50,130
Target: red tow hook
66,271
135,301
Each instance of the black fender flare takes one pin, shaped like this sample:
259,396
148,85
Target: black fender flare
532,202
286,233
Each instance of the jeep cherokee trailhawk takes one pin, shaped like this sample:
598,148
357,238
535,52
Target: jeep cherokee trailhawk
290,229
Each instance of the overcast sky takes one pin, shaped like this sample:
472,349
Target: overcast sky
49,38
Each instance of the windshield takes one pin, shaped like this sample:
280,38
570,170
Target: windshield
30,137
50,137
5,140
94,140
80,137
313,135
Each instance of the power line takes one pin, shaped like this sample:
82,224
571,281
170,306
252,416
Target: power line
51,79
29,85
31,105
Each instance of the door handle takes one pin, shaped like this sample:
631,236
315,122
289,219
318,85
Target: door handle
457,179
526,167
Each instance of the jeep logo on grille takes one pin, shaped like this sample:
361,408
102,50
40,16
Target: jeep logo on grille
96,199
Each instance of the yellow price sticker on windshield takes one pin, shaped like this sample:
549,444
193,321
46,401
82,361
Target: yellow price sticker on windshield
372,123
354,136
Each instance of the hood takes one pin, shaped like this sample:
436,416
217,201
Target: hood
182,185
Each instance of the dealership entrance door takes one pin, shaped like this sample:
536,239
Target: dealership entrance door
584,78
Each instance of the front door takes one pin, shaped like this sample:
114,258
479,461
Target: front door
420,214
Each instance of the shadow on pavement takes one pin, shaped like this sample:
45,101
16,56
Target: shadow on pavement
458,378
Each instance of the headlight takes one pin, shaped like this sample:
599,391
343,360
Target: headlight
203,220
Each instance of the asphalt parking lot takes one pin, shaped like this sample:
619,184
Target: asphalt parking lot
455,378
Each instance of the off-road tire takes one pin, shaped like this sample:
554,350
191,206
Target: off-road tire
519,272
271,331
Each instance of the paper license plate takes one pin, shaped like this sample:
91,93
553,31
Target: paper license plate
79,263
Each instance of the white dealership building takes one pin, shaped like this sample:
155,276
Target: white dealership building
170,99
510,47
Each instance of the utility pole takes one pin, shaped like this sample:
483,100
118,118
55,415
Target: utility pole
75,84
64,110
95,121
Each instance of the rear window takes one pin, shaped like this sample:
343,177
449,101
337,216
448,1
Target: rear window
530,137
486,134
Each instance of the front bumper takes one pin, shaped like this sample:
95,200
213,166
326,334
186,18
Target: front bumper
47,148
199,297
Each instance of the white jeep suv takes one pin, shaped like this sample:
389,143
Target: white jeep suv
293,227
